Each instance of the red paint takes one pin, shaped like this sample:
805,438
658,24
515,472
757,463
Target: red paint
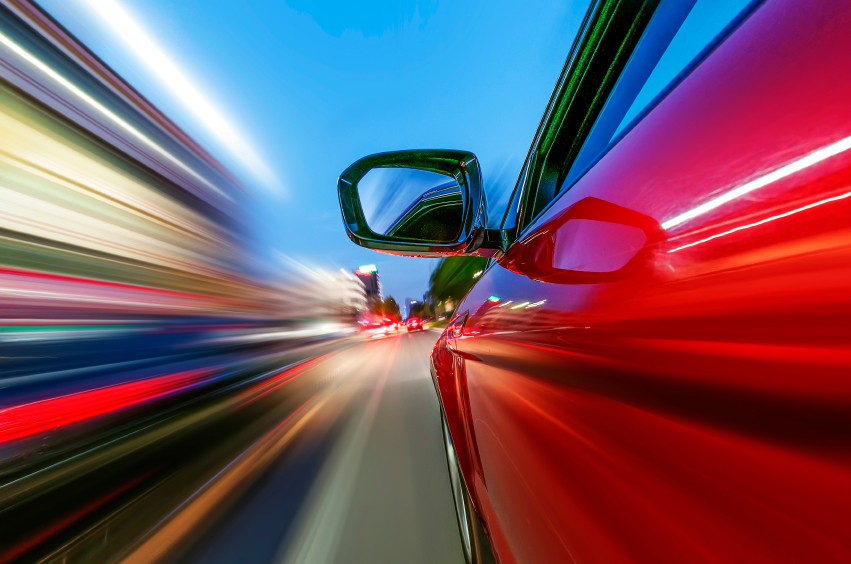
697,406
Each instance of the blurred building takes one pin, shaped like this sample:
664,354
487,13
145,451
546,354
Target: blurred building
352,295
109,209
96,184
308,292
409,304
368,275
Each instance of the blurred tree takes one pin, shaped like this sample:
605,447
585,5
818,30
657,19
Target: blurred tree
453,277
421,310
391,308
387,308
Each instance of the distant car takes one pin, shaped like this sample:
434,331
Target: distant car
375,328
414,324
655,366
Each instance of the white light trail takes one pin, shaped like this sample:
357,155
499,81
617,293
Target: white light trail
149,53
807,161
766,220
65,83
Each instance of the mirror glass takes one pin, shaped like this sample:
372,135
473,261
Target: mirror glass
412,204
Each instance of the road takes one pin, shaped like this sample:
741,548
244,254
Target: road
338,457
367,483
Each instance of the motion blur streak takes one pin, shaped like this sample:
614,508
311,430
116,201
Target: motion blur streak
145,341
45,415
175,79
334,459
97,106
212,495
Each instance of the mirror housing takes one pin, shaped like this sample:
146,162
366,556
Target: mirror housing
459,165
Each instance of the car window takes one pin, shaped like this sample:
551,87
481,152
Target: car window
500,180
678,33
509,221
609,35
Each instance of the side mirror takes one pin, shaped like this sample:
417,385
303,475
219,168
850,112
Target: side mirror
419,203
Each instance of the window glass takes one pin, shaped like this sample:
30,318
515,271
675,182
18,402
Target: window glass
511,213
705,21
678,32
500,179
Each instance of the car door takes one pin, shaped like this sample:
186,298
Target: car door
657,369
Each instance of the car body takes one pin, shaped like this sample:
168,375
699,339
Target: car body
656,365
375,327
414,324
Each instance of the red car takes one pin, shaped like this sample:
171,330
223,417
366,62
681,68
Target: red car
656,365
414,324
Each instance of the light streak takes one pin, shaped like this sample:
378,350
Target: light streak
106,112
318,330
25,420
766,220
536,304
518,306
807,161
148,52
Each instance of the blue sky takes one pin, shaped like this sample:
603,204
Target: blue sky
313,85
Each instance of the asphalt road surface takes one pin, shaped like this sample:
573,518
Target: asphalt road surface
362,480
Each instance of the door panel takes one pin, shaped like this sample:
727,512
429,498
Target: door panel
698,405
